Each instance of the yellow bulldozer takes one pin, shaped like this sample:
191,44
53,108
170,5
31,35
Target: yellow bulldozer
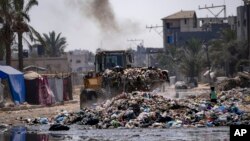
115,74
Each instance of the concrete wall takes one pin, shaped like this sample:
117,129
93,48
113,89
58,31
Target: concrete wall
241,23
53,64
188,25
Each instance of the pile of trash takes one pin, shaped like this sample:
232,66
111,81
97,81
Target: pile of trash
147,110
241,80
134,79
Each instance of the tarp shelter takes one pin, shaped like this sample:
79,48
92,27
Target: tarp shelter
16,82
37,89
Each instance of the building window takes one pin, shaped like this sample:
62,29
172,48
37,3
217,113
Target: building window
245,22
168,25
238,23
78,61
185,21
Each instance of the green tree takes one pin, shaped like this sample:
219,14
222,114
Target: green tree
6,33
170,60
226,52
2,50
14,16
21,19
192,58
54,44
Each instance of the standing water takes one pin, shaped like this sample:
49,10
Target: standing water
77,134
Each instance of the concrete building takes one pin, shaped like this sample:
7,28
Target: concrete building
146,56
81,60
242,23
184,25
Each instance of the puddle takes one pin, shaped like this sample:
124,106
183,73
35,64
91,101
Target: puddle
74,134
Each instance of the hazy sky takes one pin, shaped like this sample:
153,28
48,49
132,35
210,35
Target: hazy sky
83,31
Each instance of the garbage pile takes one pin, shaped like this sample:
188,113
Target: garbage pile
134,79
241,80
146,110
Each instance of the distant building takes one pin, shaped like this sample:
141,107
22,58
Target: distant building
183,25
81,60
145,57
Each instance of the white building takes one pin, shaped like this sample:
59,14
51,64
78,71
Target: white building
81,60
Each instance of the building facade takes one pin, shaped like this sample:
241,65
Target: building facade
52,64
81,60
184,25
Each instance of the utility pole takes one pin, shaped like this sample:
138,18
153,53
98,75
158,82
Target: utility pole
247,5
223,8
155,28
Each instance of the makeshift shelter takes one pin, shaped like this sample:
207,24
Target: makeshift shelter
67,89
38,91
16,82
61,85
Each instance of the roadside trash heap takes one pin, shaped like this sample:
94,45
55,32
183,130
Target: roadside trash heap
146,110
241,80
133,79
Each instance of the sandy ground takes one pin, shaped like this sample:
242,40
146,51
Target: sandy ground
16,116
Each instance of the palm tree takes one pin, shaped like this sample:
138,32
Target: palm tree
170,59
192,57
2,50
6,33
226,51
21,17
54,44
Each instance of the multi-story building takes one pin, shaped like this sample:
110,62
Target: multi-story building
183,25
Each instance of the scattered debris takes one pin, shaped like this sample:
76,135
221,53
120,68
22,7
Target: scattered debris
146,110
58,127
241,80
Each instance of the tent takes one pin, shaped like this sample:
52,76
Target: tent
16,82
37,89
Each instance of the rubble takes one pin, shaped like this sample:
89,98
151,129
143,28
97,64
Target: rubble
147,110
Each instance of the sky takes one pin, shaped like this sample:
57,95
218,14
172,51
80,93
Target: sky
124,20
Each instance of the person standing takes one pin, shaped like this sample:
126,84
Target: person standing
213,95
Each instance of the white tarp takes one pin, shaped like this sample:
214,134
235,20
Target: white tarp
56,85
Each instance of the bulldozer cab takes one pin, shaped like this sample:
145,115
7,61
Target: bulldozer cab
110,59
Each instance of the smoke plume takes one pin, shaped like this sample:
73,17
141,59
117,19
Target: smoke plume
101,12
